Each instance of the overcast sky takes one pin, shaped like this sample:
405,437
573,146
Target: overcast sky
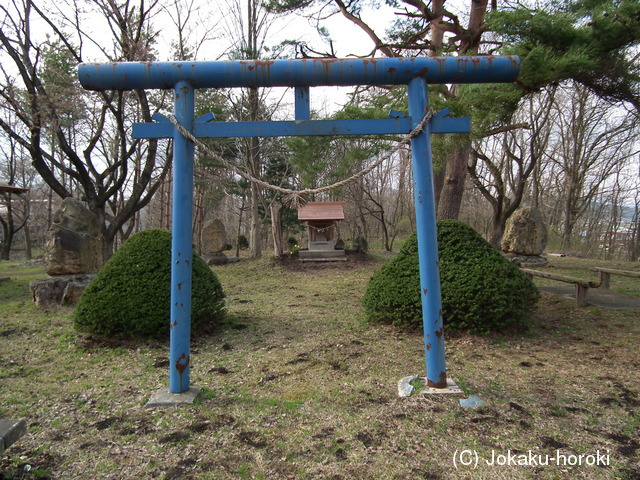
211,22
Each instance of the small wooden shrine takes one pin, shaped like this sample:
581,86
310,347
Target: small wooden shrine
4,188
321,218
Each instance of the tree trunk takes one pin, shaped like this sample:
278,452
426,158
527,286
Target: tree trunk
7,229
276,228
634,244
497,226
438,182
7,240
108,233
107,247
255,227
385,233
535,187
242,207
50,208
5,254
567,226
437,30
198,217
453,187
27,243
161,221
169,201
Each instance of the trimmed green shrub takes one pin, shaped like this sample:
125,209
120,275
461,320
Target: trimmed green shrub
131,295
360,244
482,291
243,242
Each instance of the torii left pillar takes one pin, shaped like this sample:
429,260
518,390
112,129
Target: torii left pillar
182,241
181,256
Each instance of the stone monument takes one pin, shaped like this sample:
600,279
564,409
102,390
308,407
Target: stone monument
214,241
73,254
525,237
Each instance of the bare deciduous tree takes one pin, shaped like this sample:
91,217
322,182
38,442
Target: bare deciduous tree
79,140
503,162
17,178
590,140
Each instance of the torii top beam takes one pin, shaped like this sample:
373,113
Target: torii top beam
299,72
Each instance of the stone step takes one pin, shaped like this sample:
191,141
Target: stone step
321,246
332,259
10,432
305,254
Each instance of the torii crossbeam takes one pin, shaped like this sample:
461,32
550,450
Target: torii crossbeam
185,77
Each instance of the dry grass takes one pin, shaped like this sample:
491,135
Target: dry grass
300,387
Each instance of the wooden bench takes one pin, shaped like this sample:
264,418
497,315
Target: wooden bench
582,286
604,274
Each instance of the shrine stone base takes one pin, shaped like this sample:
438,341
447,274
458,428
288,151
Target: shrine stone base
311,254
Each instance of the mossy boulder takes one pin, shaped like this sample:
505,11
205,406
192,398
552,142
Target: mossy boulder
131,295
482,291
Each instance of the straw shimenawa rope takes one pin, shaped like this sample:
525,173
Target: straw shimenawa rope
295,198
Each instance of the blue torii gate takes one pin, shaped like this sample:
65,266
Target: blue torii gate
186,77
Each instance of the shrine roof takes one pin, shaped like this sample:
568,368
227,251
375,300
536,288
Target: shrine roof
11,189
321,211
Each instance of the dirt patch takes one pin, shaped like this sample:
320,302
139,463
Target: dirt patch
38,466
12,332
252,439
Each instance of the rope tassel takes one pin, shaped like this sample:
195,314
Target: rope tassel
294,200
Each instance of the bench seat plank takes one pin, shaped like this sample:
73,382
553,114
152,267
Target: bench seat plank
604,274
561,278
626,273
582,286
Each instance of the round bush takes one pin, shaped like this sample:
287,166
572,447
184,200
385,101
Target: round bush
131,295
360,244
482,291
243,242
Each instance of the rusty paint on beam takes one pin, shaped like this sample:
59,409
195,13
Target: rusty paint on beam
298,72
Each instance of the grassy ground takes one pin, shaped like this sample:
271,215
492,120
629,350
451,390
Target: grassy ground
300,387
